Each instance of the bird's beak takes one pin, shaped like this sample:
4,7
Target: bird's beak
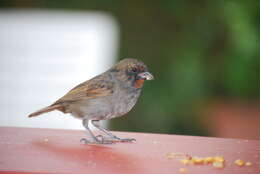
146,76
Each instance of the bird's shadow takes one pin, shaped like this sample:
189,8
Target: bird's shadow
106,157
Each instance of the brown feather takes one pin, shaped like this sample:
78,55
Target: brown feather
46,109
93,88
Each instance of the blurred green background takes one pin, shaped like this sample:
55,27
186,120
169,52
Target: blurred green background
204,55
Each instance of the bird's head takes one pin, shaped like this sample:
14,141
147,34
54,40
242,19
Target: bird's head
132,72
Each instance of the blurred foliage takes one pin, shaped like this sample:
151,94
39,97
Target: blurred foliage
198,51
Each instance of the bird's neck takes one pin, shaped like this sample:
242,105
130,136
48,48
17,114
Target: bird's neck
138,83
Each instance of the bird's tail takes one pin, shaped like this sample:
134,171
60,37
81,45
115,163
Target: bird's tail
46,109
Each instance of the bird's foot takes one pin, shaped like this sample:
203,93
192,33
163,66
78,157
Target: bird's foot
97,140
104,140
100,139
124,139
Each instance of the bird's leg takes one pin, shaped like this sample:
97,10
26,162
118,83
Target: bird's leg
94,138
96,124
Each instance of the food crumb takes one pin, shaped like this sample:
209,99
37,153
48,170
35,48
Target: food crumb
183,170
239,162
215,161
46,140
172,155
248,164
219,159
185,161
208,160
218,164
197,160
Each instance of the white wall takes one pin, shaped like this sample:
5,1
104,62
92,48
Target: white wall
43,54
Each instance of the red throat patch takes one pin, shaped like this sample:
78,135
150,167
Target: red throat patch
139,83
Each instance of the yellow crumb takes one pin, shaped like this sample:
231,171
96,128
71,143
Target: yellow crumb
248,164
172,155
218,164
239,162
197,160
208,160
219,159
185,161
169,155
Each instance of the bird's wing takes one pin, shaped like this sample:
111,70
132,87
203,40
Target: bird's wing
93,88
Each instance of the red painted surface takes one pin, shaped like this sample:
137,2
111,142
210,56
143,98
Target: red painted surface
26,150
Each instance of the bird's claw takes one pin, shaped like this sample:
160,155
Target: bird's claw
124,139
104,140
84,141
128,140
98,140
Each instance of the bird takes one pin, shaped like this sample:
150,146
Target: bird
111,94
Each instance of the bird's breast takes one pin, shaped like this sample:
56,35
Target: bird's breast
124,102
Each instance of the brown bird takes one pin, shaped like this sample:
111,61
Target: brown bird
106,96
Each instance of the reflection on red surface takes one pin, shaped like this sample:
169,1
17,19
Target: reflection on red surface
97,157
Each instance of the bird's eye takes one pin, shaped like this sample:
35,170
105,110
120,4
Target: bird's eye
134,70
